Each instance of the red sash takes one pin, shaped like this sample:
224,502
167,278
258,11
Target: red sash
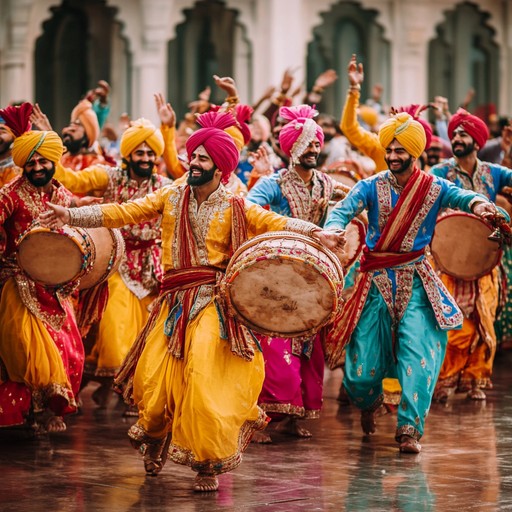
186,281
386,254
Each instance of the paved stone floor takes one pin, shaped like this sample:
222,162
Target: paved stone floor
466,465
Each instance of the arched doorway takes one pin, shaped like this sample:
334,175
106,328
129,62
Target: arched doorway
346,29
81,44
210,41
464,56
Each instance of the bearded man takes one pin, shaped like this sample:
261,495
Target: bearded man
41,352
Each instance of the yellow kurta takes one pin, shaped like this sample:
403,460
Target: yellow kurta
208,399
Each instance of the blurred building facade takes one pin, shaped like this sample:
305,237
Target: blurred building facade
53,51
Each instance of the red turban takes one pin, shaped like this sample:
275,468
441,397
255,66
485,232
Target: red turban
414,111
300,131
218,144
471,124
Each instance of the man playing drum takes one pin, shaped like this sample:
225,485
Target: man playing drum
41,352
470,353
196,390
395,321
294,368
132,289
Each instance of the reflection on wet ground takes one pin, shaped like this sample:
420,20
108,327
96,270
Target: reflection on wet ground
466,464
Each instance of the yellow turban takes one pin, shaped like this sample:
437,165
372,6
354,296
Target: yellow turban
369,115
85,115
141,131
408,132
47,144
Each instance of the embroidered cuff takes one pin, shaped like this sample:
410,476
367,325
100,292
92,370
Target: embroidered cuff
301,226
475,201
86,217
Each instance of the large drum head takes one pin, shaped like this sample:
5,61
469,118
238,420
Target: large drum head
284,284
49,257
285,295
461,249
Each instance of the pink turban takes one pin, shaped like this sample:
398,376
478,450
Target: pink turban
300,131
414,111
471,124
218,144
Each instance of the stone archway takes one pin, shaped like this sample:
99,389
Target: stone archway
210,41
464,55
348,28
76,49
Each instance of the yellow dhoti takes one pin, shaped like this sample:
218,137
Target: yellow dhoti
207,400
124,316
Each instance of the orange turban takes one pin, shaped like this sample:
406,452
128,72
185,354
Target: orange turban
408,132
138,132
47,144
85,115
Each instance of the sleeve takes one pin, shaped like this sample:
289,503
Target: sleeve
92,178
355,202
174,168
365,141
119,215
437,170
456,197
7,205
505,177
102,111
266,191
260,221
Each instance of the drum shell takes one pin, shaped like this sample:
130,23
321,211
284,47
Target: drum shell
283,284
56,258
460,247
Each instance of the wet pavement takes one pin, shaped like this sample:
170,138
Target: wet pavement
465,465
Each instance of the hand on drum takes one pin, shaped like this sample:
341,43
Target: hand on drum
486,210
333,240
55,217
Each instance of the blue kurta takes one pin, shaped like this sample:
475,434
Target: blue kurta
409,300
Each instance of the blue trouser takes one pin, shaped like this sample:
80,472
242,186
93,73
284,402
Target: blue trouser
420,346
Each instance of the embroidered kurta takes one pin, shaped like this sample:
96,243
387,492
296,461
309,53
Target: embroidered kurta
408,300
207,399
470,353
287,194
40,346
140,269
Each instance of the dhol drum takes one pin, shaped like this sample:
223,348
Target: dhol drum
58,257
283,284
355,234
461,248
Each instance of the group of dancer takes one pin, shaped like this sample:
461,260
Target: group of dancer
158,330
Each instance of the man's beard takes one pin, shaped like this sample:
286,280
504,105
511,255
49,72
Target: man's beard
403,167
308,165
42,181
74,146
203,179
463,149
141,172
